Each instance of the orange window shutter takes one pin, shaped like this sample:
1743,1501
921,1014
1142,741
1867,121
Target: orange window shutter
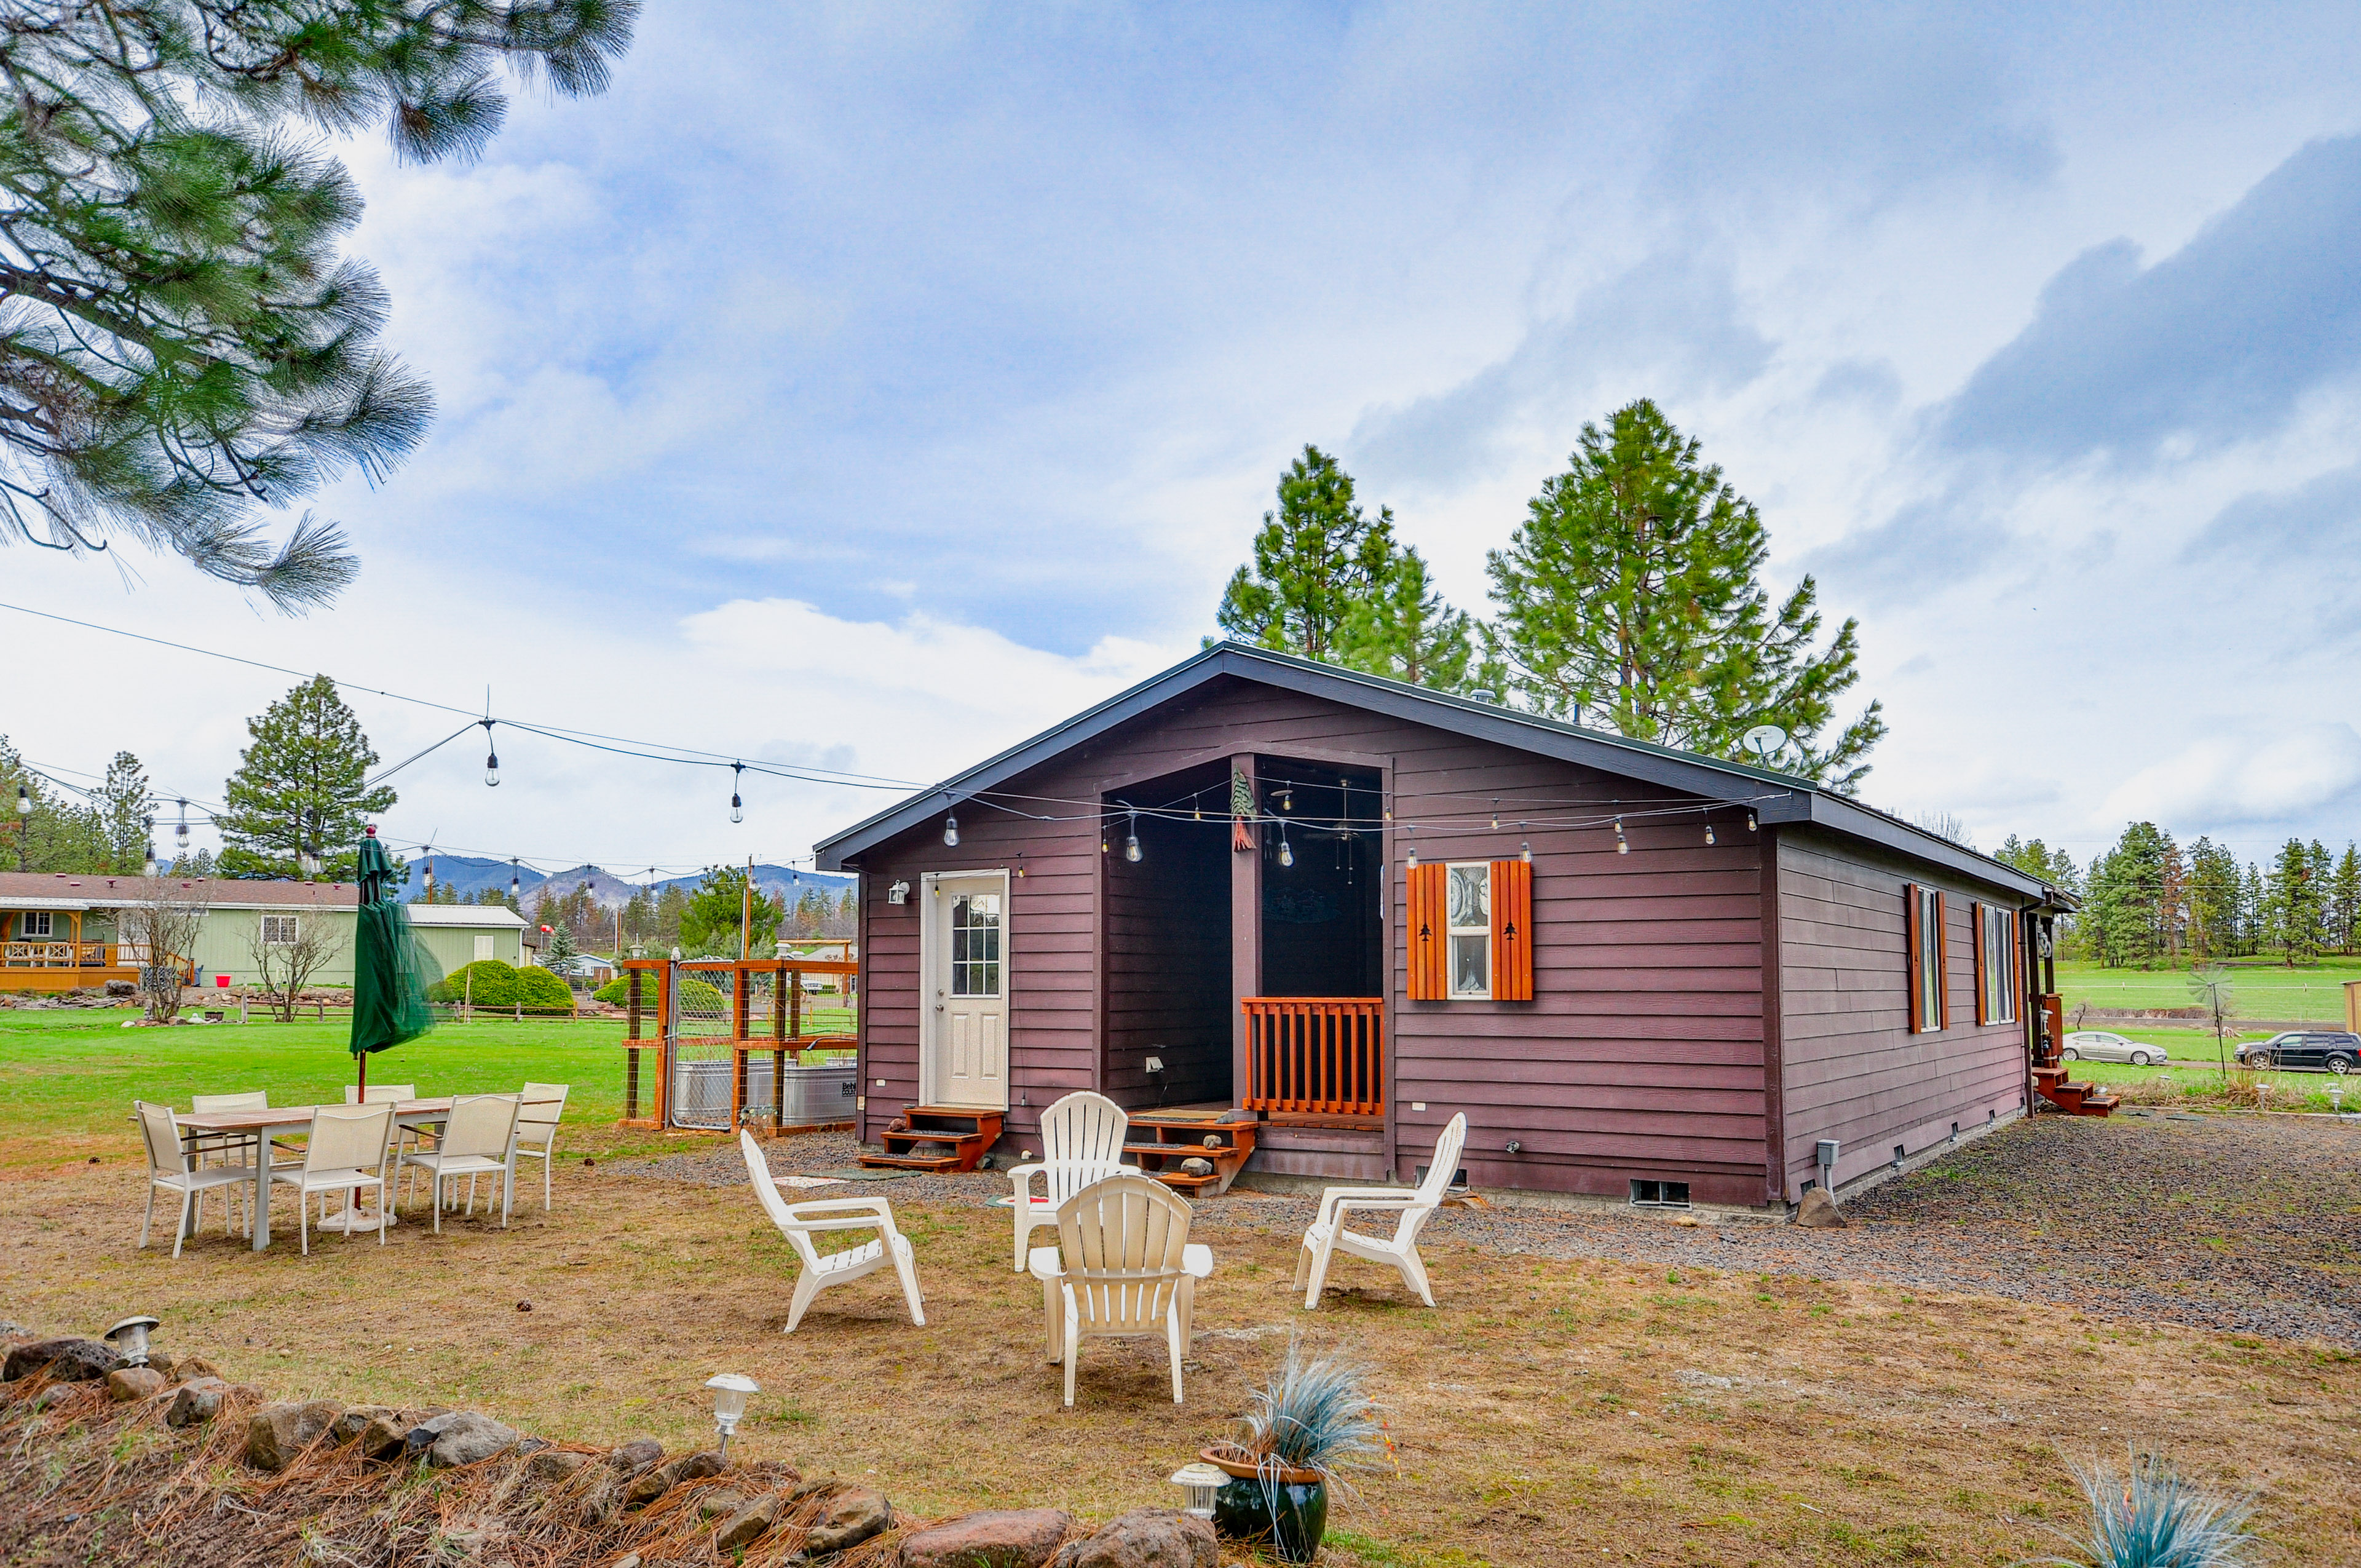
1983,974
1912,947
1512,931
1428,933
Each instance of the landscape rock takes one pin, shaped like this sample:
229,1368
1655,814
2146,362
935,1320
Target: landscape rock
636,1456
555,1464
998,1538
276,1433
1195,1166
458,1437
196,1401
851,1518
655,1483
358,1420
746,1526
1819,1210
383,1437
67,1360
126,1383
718,1502
1145,1538
188,1368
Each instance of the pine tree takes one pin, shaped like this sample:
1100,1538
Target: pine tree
1404,630
182,343
58,835
2344,899
300,788
1315,558
1629,598
124,815
558,947
2290,905
2253,918
2322,876
2124,915
711,915
2214,899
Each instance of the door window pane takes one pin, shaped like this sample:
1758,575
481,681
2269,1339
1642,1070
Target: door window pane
975,945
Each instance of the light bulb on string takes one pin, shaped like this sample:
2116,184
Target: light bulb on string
180,834
1131,840
951,831
491,756
737,807
516,888
1709,832
1525,852
1620,846
1750,822
1495,814
1286,851
1410,850
1287,800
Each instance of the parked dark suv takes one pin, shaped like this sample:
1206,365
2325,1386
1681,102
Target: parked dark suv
2306,1050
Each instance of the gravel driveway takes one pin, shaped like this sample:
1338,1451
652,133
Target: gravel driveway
2250,1224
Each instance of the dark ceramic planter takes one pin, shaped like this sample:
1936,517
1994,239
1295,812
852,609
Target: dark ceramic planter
1292,1514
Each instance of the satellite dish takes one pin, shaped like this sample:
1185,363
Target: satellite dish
1765,740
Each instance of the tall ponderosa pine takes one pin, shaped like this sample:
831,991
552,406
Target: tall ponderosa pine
302,785
124,812
1314,558
1404,630
2214,899
1629,598
2344,899
180,342
2124,916
2292,900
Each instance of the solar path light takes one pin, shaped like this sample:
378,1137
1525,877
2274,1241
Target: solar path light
730,1391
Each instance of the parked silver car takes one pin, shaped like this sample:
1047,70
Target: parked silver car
2102,1045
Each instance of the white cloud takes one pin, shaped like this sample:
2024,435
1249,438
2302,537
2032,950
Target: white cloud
2243,781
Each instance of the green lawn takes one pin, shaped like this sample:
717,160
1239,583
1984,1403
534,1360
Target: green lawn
2258,988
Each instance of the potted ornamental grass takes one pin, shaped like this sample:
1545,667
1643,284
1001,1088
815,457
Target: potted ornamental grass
1310,1423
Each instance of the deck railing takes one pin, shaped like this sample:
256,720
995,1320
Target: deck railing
1324,1054
57,954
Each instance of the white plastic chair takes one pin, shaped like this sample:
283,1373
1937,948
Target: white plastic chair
537,1119
226,1145
1081,1142
1124,1267
479,1140
1326,1236
349,1149
170,1167
800,1222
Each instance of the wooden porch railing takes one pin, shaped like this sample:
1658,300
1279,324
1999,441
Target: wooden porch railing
58,955
1320,1054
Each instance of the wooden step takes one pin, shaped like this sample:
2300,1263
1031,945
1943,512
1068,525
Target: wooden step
970,1132
914,1162
2098,1105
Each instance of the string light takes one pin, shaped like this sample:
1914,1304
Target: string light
1131,840
951,831
516,888
147,831
1750,822
1620,846
1495,814
1286,853
491,756
430,872
737,807
1525,852
180,834
1709,832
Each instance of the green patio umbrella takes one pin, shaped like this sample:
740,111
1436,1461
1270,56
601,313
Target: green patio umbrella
389,966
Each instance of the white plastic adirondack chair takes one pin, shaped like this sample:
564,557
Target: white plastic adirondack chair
1081,1142
1327,1235
800,1222
1124,1267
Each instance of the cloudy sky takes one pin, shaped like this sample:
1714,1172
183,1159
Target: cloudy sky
871,386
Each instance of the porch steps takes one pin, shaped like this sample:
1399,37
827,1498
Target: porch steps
1171,1139
968,1132
2074,1099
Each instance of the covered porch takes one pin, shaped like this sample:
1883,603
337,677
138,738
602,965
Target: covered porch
1243,940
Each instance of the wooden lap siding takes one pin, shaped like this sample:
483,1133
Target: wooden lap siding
1641,1056
1852,1069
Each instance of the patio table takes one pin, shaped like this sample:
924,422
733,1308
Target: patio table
284,1121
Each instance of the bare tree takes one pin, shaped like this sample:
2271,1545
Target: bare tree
160,929
288,950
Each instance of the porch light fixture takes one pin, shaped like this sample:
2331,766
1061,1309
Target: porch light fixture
1131,840
491,756
129,1338
737,807
1200,1481
1621,848
898,893
180,834
730,1391
951,831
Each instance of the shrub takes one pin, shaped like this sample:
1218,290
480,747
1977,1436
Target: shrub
487,982
2148,1517
696,995
541,991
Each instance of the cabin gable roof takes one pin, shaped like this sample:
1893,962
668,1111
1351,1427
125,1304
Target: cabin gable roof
1774,797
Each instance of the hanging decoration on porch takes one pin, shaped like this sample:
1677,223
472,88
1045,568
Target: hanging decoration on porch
1242,812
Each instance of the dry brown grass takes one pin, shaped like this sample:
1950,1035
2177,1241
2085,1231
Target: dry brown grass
1547,1412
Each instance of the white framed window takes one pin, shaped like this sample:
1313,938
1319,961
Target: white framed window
1998,938
36,923
1928,962
484,946
1467,902
278,930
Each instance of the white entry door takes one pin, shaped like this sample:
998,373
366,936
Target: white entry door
967,972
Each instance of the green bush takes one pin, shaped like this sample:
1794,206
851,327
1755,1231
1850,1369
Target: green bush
696,995
542,991
489,982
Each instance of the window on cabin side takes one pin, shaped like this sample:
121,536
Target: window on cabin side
483,947
2000,966
34,923
278,930
1930,961
1469,897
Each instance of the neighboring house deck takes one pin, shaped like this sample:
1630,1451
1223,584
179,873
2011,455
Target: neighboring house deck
58,931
